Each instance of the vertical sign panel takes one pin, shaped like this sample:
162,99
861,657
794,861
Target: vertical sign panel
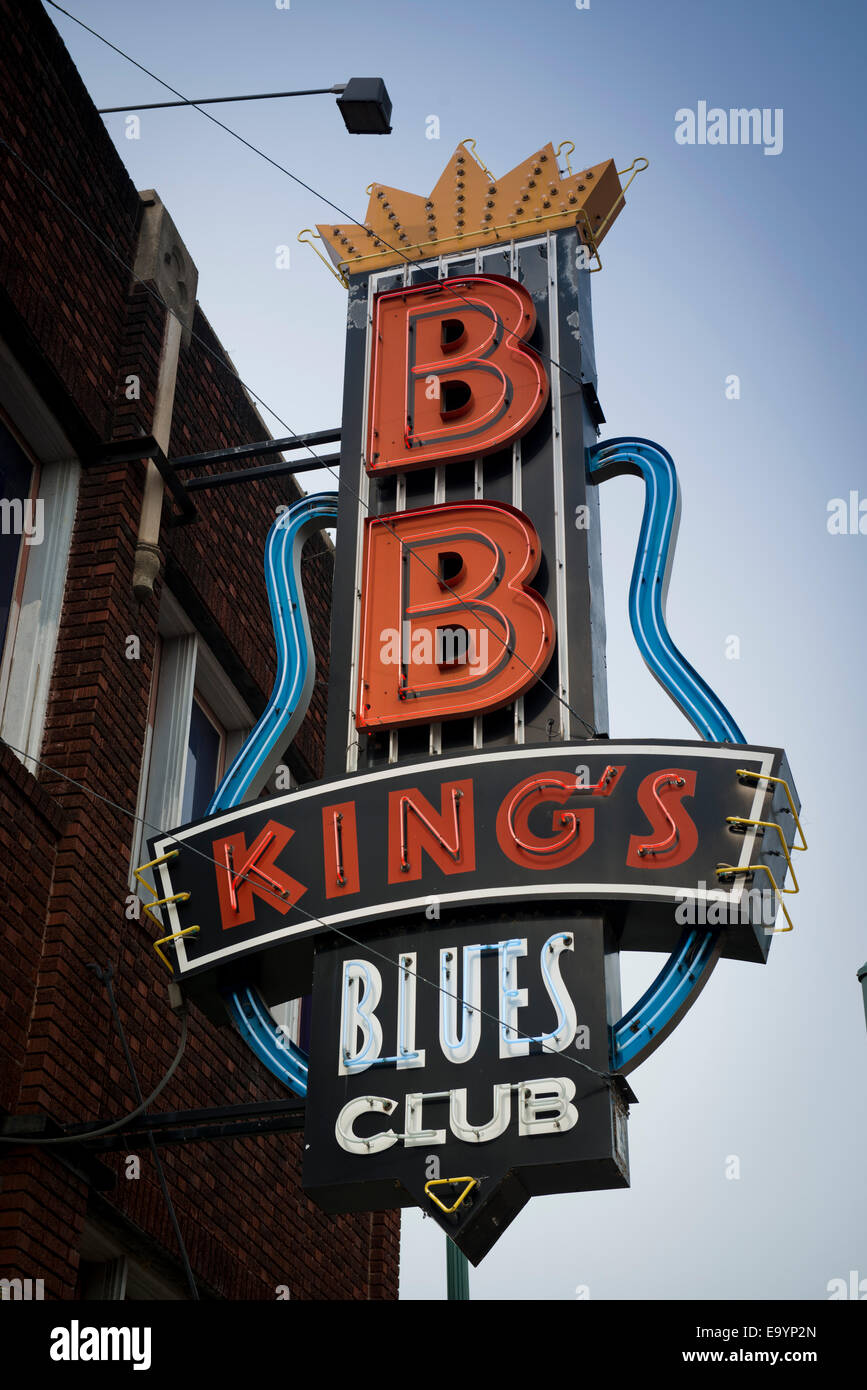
464,1070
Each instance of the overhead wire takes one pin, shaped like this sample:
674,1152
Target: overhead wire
105,976
26,1140
397,250
227,366
607,1077
341,482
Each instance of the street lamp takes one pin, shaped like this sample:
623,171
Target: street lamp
365,106
363,101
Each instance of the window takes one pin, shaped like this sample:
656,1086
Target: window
293,1018
206,745
37,514
19,514
117,1266
196,724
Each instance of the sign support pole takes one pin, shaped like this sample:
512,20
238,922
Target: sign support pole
457,1273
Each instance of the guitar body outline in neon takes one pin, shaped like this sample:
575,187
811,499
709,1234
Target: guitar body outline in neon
649,1021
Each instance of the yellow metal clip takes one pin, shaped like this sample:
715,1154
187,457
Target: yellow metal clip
571,150
770,825
443,1182
155,901
781,781
471,146
638,166
727,870
188,931
309,232
591,241
161,902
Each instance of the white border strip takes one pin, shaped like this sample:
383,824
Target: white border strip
559,499
353,733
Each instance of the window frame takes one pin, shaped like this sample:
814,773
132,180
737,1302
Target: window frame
185,671
30,640
222,740
7,641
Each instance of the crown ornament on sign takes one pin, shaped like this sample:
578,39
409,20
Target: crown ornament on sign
470,208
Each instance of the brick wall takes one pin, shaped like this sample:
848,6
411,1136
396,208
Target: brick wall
69,291
222,553
30,826
80,325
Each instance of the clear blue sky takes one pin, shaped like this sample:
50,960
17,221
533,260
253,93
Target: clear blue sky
725,261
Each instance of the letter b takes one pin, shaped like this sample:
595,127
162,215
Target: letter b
470,334
546,1107
361,993
458,563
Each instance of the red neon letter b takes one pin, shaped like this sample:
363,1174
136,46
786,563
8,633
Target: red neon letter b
449,625
452,376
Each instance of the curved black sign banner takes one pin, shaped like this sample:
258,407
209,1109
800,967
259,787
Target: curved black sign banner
641,826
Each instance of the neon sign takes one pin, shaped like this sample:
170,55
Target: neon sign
461,882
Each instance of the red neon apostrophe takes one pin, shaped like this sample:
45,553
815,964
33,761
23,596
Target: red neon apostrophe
452,376
243,873
443,583
672,837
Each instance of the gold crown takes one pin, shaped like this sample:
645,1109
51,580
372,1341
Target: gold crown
470,208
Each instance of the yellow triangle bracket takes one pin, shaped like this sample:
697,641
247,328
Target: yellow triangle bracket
470,1184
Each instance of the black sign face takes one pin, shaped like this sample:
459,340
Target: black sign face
463,1071
640,825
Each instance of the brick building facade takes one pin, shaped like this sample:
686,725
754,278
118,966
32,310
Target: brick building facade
83,353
